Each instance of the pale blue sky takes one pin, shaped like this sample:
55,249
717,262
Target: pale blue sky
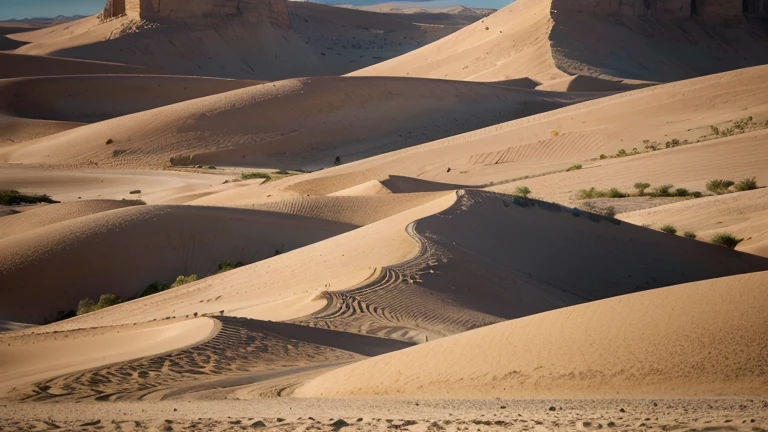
18,9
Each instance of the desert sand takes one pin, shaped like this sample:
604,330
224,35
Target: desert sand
385,218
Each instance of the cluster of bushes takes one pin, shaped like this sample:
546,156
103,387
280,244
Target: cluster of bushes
275,175
720,186
574,168
609,211
14,197
87,305
738,127
592,193
726,240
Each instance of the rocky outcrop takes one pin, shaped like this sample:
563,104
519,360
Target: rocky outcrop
200,11
708,10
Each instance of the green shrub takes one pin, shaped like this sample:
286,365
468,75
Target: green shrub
281,172
682,192
154,289
663,190
749,183
87,305
622,153
641,187
719,186
255,175
669,229
690,235
183,160
696,194
522,191
726,240
588,193
609,211
615,193
14,197
229,265
181,280
574,168
603,156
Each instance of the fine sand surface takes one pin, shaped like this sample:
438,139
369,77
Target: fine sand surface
290,40
678,341
163,241
742,214
544,40
392,272
35,107
302,123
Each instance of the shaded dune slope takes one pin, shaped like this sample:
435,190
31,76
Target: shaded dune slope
550,39
490,258
162,241
303,123
20,65
45,215
699,339
94,98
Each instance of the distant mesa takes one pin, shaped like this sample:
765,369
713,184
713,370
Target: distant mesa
273,11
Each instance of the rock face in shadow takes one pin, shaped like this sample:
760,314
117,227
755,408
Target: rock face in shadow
715,11
200,11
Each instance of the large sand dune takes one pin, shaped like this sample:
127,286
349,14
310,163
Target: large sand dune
700,339
547,39
302,123
20,65
265,40
129,249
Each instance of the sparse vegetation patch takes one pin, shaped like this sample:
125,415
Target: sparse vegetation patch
669,229
690,235
87,305
14,197
574,168
522,191
726,240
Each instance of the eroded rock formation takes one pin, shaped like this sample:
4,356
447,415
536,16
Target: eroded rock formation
191,11
707,10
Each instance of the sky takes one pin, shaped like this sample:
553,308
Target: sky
19,9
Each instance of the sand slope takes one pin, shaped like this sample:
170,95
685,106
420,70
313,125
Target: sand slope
47,214
281,41
705,338
162,242
743,214
19,65
303,123
545,40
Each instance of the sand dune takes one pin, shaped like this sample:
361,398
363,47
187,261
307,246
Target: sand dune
267,40
680,341
48,214
585,83
166,187
489,258
547,39
162,241
28,359
82,98
19,65
523,151
743,214
303,123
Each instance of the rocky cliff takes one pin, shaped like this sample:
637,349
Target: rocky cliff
200,11
707,10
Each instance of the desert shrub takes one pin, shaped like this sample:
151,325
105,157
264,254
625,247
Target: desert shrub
181,280
669,229
690,235
154,288
255,175
663,190
609,211
118,152
182,160
588,193
749,183
719,186
641,187
682,192
696,194
574,168
672,143
110,141
281,172
228,265
87,305
622,153
14,197
522,191
615,193
726,240
603,156
211,167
